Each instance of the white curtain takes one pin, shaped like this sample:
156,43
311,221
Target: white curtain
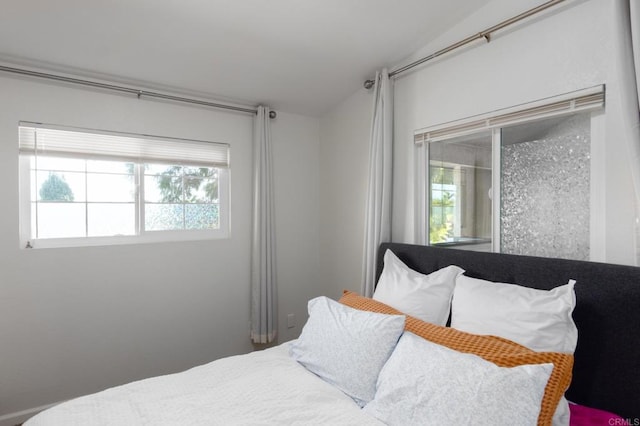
264,308
378,210
627,55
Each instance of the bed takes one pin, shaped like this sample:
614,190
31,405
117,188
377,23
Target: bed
606,373
295,384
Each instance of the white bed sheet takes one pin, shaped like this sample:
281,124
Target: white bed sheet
260,388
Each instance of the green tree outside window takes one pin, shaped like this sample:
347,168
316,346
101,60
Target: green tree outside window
56,188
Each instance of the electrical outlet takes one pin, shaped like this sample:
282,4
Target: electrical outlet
291,321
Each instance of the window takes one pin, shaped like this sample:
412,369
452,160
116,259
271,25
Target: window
460,182
84,187
514,181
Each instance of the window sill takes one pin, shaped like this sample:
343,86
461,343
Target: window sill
147,238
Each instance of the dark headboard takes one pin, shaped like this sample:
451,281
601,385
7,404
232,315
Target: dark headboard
606,371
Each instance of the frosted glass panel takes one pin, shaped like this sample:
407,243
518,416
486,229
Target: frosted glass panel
201,216
164,217
545,188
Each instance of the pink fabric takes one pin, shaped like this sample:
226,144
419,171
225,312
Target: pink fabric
585,416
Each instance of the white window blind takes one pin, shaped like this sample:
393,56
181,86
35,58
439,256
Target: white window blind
570,103
39,140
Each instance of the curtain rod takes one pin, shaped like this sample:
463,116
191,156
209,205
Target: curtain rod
139,93
486,34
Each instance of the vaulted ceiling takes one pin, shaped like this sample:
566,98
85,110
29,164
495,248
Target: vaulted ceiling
299,56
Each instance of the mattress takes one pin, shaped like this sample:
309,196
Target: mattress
260,388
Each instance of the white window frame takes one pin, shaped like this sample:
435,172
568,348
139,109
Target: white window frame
156,236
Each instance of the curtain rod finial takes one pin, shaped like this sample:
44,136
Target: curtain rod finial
273,114
368,84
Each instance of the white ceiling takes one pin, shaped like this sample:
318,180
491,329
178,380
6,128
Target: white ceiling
299,56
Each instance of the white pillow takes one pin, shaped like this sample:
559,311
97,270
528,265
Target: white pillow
423,383
538,319
347,347
427,297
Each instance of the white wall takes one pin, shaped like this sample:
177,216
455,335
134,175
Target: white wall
566,50
569,48
77,320
296,141
344,154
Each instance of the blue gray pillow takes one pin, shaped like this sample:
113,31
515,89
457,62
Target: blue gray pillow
347,347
